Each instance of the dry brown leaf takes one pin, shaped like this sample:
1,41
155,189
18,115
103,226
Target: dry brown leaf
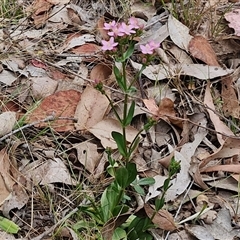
233,168
91,109
165,110
102,32
163,219
88,155
6,181
51,171
61,2
103,131
230,104
200,48
87,49
100,72
74,16
229,148
60,104
218,124
112,224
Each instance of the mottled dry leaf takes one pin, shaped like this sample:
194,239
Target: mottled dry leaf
233,168
91,109
100,72
88,155
163,219
103,131
233,19
200,48
60,104
7,122
230,104
218,124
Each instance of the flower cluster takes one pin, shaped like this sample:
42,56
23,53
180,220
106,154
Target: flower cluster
119,32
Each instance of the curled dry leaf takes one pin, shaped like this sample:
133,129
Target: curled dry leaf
163,219
200,48
60,104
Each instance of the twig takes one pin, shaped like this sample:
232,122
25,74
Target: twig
47,119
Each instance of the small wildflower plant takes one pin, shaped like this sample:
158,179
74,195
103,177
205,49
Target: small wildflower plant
121,46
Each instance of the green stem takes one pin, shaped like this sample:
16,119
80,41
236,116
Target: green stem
125,106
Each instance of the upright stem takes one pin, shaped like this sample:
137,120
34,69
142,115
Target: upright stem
125,105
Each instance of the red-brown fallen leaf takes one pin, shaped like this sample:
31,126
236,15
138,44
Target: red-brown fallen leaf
233,168
60,104
100,72
163,219
200,48
87,49
39,64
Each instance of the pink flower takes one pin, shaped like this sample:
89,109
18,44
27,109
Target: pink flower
149,47
126,29
109,26
109,45
134,23
154,45
116,31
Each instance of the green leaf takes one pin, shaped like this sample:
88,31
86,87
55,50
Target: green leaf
121,143
129,52
146,181
139,190
8,225
132,172
119,78
134,146
159,203
109,200
130,114
119,234
122,177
